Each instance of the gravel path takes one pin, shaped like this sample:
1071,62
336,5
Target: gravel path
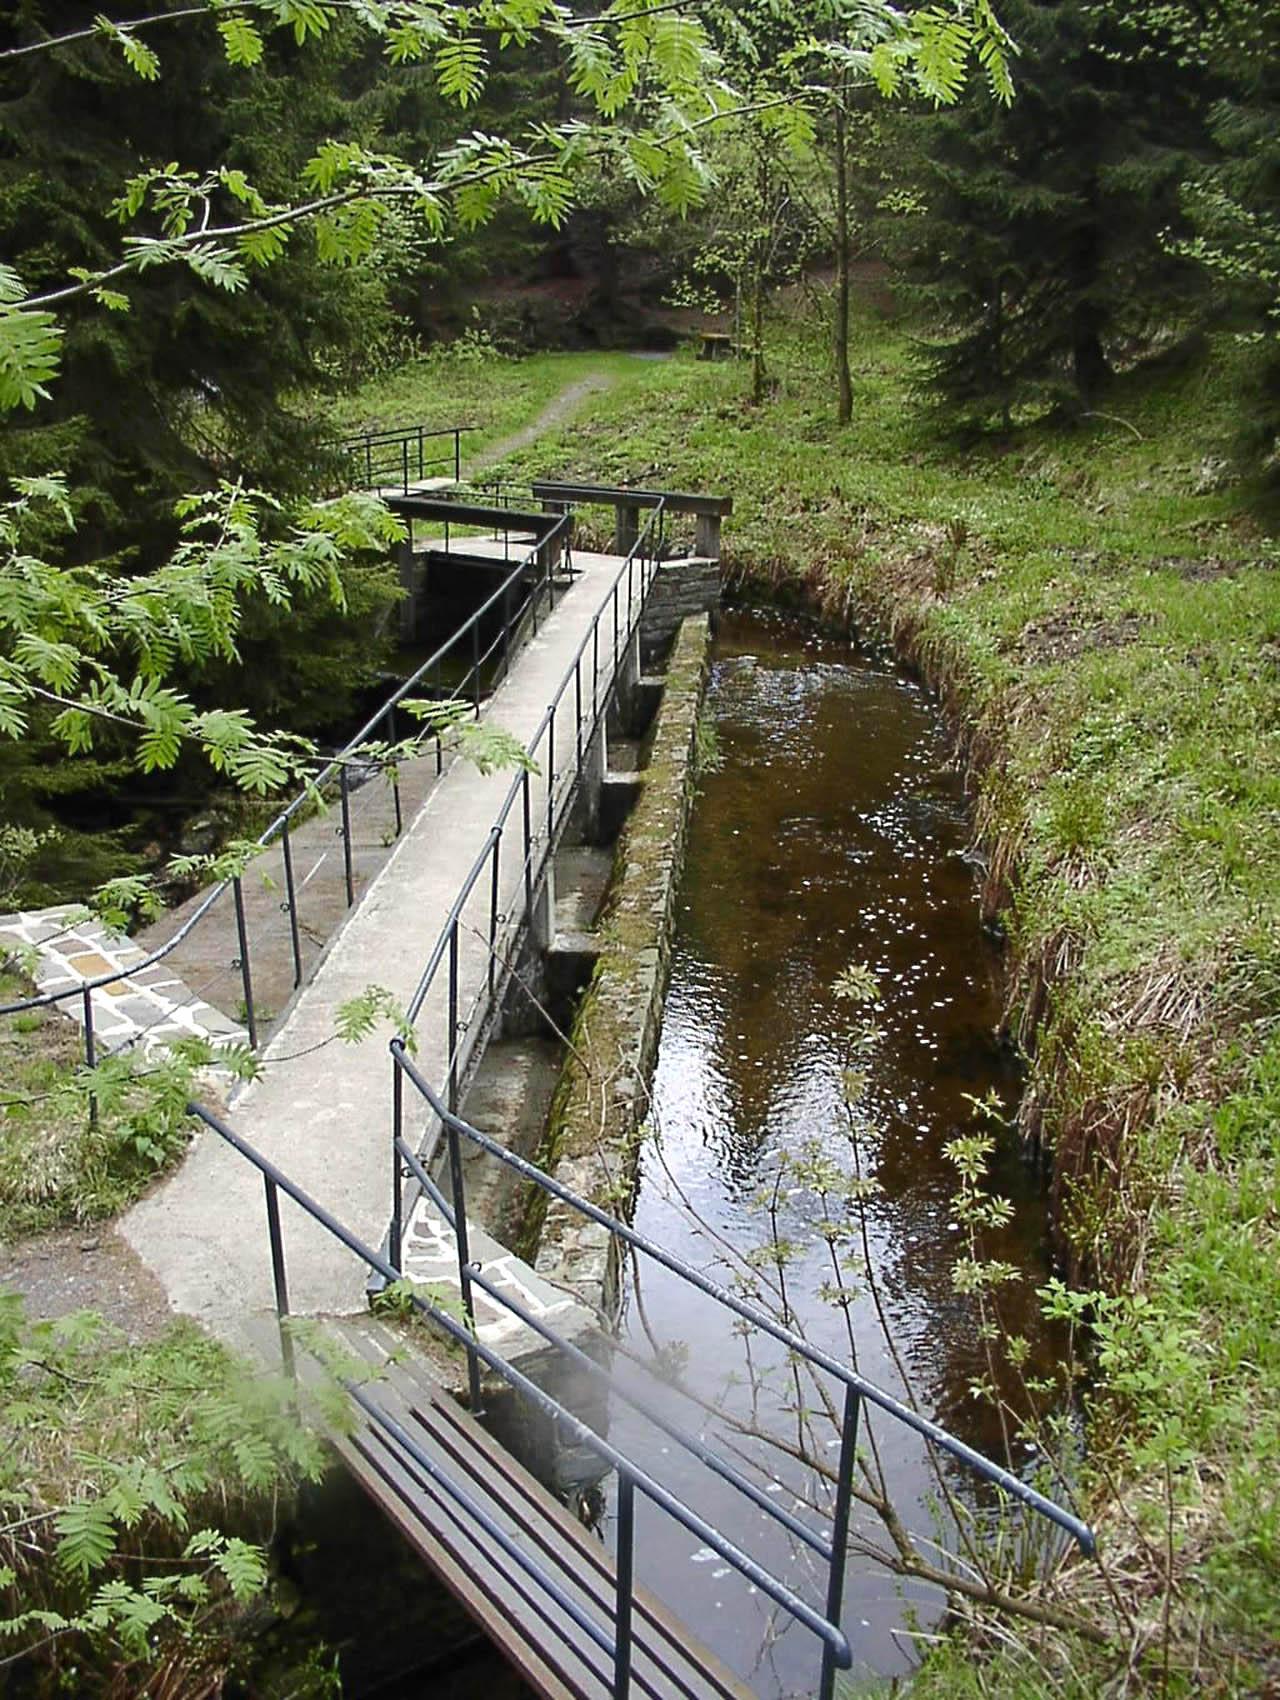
556,412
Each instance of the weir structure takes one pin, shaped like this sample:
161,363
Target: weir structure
326,1170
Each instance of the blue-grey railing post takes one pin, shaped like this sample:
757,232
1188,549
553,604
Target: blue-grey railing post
291,903
577,697
493,907
277,1272
551,777
457,457
623,1586
475,662
506,631
395,770
458,1187
404,465
595,663
840,1531
435,692
90,1051
453,1019
396,1233
422,465
526,806
246,973
344,787
614,599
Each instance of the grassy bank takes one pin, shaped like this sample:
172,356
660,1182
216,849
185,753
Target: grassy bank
1097,607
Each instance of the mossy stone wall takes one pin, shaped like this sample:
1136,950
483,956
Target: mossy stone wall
599,1109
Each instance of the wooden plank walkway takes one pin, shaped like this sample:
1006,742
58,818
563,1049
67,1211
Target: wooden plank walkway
536,1633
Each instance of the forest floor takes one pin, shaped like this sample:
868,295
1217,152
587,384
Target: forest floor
1096,604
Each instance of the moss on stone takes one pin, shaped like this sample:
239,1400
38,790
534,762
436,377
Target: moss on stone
598,1105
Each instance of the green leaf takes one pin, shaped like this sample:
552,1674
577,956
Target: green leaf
133,1615
30,344
137,54
86,1537
307,18
264,247
244,1567
241,41
358,1016
215,265
460,69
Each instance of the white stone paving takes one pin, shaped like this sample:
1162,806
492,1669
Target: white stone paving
66,947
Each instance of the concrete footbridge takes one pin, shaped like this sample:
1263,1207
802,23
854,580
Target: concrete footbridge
490,909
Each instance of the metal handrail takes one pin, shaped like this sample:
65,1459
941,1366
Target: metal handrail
760,1319
597,1371
636,572
407,438
539,556
632,1477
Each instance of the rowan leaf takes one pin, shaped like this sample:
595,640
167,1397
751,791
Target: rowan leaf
86,1537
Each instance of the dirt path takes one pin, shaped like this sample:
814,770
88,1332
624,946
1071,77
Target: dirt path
556,412
86,1268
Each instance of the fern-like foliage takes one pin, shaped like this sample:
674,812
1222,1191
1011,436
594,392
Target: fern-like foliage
110,1457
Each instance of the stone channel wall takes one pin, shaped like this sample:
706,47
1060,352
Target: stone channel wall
680,590
600,1105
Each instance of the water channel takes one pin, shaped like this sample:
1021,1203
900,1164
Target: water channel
831,834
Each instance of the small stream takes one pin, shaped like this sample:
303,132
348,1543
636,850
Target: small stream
832,834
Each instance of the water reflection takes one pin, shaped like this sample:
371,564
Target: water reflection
832,834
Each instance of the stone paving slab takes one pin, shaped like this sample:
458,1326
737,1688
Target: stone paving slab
150,1008
430,1255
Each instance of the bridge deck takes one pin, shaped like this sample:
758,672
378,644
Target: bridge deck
322,1109
538,1635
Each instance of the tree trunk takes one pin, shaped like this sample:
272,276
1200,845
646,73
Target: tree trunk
844,382
757,285
1089,362
1088,357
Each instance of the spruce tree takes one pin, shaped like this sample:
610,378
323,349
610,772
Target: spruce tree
1233,202
192,382
1039,248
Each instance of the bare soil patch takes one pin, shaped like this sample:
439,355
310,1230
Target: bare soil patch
86,1268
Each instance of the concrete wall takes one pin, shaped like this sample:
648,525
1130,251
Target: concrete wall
600,1103
680,590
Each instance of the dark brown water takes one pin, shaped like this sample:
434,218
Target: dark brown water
832,834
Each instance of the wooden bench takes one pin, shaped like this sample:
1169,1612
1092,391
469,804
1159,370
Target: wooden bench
459,1539
716,345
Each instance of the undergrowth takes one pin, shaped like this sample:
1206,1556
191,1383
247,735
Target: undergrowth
139,1489
78,1145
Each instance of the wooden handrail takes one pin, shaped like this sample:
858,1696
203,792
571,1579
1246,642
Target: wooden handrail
614,495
